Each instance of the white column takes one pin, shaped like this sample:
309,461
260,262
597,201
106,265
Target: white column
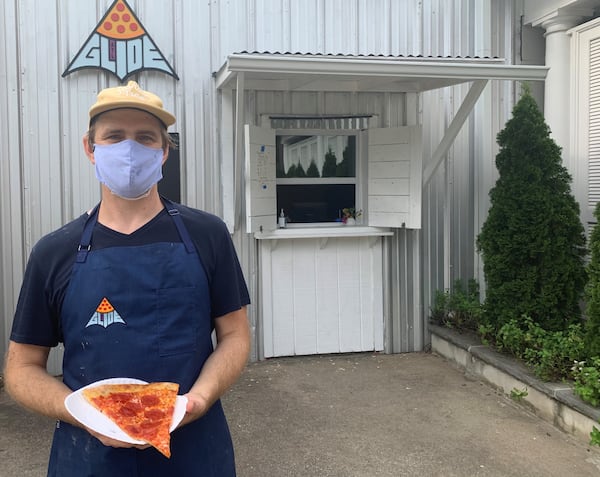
556,91
556,18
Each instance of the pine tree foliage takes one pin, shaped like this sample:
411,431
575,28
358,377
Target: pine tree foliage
329,166
313,170
532,242
592,324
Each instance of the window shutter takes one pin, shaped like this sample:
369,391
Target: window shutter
395,177
594,127
261,192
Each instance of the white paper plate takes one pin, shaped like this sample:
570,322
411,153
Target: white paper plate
90,417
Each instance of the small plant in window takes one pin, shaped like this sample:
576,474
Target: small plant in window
350,214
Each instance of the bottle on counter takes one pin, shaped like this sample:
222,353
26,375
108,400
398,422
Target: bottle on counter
282,220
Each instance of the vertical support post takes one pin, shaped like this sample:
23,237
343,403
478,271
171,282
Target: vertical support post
238,164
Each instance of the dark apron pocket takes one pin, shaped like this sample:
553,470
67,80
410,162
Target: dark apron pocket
178,316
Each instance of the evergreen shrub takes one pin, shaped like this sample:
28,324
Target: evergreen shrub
592,292
532,242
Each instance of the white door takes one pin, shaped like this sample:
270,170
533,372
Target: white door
321,295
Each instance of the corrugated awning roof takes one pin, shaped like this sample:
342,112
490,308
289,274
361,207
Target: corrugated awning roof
310,72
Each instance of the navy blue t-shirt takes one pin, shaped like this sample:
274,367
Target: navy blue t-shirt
37,316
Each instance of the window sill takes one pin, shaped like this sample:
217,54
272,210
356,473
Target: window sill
323,232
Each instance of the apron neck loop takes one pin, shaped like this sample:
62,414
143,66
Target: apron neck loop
183,233
85,243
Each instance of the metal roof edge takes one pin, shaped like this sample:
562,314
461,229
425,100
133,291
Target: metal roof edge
459,69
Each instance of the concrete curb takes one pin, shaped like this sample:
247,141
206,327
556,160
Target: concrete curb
553,402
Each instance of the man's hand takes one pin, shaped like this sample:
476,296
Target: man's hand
196,407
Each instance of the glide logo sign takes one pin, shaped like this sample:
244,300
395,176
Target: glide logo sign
121,45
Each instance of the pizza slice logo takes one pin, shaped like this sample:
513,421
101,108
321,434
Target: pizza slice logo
105,315
121,45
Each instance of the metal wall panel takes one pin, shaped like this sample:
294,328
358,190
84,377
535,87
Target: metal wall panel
456,201
46,180
12,251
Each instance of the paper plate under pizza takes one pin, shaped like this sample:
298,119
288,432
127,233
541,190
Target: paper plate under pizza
88,415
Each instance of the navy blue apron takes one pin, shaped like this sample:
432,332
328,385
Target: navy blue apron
139,312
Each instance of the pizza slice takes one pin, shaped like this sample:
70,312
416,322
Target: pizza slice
143,411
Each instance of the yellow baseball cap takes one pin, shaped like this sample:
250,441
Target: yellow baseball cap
131,96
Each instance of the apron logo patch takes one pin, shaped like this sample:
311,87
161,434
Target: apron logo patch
105,315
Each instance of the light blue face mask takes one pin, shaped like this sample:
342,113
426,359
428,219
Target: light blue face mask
129,169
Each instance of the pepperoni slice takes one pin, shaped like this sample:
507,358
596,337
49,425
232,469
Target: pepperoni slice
130,409
149,400
154,414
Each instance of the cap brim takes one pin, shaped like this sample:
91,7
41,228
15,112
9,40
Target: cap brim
163,116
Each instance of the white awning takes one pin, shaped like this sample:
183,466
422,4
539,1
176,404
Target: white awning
309,72
295,72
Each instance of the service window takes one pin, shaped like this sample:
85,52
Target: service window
316,177
313,176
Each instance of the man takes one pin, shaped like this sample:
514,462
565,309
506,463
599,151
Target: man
169,274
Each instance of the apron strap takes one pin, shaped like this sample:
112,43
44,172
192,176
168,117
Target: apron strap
85,242
181,228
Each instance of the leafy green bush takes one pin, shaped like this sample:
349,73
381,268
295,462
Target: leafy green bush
511,337
595,437
532,242
587,380
459,308
550,353
555,354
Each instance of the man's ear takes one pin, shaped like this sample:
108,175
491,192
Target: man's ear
88,148
165,154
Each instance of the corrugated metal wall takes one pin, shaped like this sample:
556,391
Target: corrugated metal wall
46,180
456,201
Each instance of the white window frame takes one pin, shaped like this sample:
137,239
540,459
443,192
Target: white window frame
359,166
389,176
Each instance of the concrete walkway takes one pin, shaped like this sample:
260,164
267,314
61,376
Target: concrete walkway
359,415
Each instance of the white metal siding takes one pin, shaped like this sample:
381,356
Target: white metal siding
12,250
46,180
594,124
